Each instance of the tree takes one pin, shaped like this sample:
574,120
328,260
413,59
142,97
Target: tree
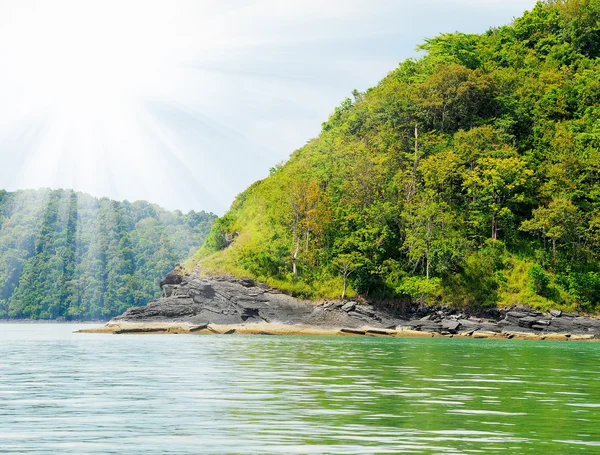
69,255
557,221
494,184
427,228
347,264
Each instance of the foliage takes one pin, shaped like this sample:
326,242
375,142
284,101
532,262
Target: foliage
69,255
470,176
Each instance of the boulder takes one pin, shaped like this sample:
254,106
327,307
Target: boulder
451,326
247,282
174,277
349,306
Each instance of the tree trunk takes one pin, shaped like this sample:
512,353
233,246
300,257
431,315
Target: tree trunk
494,227
412,188
294,258
307,237
427,266
554,249
345,286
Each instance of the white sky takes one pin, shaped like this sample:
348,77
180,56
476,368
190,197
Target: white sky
186,102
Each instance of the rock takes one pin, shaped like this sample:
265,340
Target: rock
561,325
429,326
169,290
582,337
516,330
174,277
333,305
468,324
365,310
556,313
586,323
247,282
380,332
527,321
352,331
356,315
196,328
451,326
349,306
141,330
196,302
539,327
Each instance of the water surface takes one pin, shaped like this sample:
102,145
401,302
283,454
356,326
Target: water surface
187,394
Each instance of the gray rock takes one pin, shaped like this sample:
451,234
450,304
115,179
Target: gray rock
229,301
247,282
353,331
451,326
517,329
527,321
539,327
365,310
349,307
174,277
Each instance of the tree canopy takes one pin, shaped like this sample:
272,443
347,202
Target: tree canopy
69,255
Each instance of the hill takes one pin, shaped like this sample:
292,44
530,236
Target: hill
69,255
469,177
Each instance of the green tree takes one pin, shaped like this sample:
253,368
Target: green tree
557,221
494,185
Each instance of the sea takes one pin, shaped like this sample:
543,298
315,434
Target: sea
63,392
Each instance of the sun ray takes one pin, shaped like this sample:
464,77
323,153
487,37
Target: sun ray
106,96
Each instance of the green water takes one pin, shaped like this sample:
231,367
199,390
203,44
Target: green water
177,394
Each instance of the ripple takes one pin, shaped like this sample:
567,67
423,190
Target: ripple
67,393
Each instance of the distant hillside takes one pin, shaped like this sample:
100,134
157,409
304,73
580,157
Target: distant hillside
69,255
470,176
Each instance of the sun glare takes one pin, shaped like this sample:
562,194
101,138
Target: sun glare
88,71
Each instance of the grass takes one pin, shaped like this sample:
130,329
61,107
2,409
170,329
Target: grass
517,289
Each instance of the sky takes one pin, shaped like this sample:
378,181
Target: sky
185,103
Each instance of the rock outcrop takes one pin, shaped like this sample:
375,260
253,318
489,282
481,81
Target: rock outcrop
193,305
230,301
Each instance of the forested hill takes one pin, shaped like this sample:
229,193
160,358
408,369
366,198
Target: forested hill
69,255
470,176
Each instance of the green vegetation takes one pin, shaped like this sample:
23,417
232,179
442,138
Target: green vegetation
470,176
69,255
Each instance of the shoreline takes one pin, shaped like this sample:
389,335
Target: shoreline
279,329
49,321
226,305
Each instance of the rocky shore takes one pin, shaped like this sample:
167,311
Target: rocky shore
227,305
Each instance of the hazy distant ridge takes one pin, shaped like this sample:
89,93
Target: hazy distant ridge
70,255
